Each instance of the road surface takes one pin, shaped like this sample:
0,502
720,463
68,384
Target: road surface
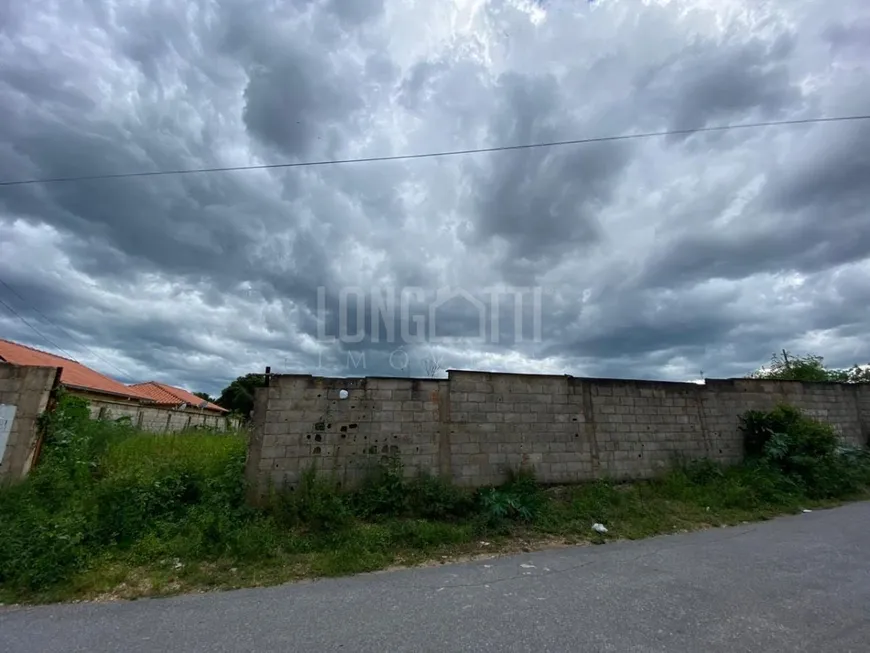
799,583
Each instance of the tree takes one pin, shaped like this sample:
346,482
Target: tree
788,367
205,396
238,396
858,374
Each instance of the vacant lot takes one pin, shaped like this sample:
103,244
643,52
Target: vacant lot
111,512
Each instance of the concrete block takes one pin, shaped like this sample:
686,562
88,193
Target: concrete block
470,471
276,428
273,452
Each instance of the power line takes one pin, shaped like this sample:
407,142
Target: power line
60,328
432,155
37,331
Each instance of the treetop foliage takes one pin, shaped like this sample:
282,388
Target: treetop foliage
786,366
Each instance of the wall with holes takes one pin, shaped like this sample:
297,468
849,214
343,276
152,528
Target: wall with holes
344,426
473,426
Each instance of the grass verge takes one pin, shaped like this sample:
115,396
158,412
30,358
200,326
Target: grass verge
112,513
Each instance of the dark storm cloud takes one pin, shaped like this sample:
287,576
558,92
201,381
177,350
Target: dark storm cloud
833,178
10,16
545,204
854,35
707,81
196,279
37,296
183,225
158,224
815,217
635,322
356,12
289,108
299,99
542,202
839,303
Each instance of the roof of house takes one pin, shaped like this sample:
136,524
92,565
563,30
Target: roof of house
167,394
73,374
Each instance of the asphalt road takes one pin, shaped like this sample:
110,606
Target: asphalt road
799,583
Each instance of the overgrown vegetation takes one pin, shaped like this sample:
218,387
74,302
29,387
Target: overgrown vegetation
805,452
102,486
786,366
111,511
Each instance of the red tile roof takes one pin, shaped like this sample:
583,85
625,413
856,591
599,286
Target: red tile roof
73,375
167,394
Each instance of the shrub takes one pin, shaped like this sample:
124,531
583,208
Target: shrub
387,492
432,497
703,472
785,432
316,504
384,492
804,450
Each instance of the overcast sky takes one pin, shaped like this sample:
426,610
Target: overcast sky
656,258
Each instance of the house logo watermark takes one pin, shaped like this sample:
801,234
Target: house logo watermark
413,316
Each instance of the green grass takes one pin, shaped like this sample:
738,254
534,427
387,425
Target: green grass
113,513
146,455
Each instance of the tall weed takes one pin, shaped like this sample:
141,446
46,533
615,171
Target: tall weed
102,486
388,493
520,499
316,504
384,493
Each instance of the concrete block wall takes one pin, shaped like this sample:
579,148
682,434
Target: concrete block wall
154,419
504,420
28,389
301,421
637,428
163,420
862,403
109,409
474,426
838,404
